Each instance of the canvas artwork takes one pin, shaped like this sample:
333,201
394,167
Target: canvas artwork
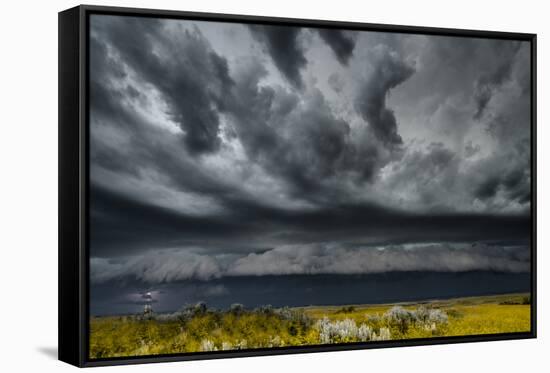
270,186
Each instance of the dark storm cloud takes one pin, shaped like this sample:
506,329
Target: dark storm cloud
491,81
181,173
515,185
261,115
435,168
501,181
289,181
299,139
122,226
282,44
319,259
165,266
457,62
453,81
341,43
509,123
388,72
191,76
488,188
506,176
303,153
314,132
107,100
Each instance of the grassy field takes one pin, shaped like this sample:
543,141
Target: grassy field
197,328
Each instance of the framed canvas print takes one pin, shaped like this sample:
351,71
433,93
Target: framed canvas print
238,186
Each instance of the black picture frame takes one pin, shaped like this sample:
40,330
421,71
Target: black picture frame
73,183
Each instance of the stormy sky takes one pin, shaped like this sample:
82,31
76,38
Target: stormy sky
223,151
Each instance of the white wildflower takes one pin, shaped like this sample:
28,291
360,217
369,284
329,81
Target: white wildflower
226,346
207,345
383,335
364,333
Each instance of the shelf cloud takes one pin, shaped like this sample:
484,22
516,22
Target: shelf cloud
169,265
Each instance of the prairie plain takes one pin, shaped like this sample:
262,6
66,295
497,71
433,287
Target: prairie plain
197,328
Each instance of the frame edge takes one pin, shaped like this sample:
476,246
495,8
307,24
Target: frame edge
69,256
308,22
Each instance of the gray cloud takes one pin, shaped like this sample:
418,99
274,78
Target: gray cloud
335,82
309,150
282,44
313,259
388,72
491,81
122,225
299,139
506,177
341,43
434,168
191,76
161,266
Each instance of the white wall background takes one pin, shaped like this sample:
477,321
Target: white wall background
28,185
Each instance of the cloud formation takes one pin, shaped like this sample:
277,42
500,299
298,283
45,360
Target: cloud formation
491,81
190,76
341,43
122,226
283,45
388,72
224,150
169,265
162,266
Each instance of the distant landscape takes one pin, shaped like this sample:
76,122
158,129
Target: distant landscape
198,328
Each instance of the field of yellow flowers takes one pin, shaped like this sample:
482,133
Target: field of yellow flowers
198,328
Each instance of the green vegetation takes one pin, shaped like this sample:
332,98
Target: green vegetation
198,328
